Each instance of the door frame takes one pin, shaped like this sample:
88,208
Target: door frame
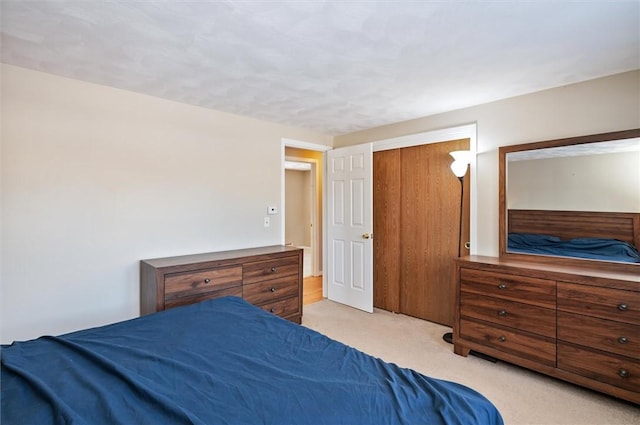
315,236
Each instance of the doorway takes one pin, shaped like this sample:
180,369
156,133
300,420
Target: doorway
299,190
303,205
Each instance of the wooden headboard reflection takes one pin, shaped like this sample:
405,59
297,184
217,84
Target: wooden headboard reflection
576,224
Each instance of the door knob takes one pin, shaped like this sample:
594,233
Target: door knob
366,235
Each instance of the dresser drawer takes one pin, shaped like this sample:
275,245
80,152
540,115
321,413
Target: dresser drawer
606,303
522,344
517,315
530,290
283,308
601,334
270,269
235,291
270,290
201,281
619,371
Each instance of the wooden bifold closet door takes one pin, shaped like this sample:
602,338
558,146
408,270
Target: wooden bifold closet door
416,207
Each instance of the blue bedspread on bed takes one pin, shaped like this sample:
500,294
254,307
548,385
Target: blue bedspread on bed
593,248
220,361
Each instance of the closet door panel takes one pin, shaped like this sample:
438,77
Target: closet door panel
430,208
386,230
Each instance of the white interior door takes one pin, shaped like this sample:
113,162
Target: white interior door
350,226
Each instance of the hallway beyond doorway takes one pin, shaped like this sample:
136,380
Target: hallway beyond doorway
311,290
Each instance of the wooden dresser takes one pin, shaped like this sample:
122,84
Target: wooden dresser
577,324
268,277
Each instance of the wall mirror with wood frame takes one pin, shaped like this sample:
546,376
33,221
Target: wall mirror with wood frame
573,201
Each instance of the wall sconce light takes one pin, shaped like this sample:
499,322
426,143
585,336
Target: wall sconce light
459,166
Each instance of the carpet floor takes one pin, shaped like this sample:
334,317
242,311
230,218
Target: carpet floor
522,396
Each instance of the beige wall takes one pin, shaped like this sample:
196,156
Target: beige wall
597,106
96,179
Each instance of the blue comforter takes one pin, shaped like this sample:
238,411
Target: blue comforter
593,248
220,361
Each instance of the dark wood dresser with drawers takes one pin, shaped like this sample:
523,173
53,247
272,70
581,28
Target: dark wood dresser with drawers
268,277
577,324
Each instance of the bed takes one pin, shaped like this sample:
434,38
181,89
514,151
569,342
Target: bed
603,236
220,361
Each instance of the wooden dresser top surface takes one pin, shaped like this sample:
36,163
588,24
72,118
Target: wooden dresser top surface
586,272
219,256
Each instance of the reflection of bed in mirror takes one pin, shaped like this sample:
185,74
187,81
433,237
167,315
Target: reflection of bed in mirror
585,188
607,236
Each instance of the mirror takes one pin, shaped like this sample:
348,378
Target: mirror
572,201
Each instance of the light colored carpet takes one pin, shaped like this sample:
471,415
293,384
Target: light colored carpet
523,397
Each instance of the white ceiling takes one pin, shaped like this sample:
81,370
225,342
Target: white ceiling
330,66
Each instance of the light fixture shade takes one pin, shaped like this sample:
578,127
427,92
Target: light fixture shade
462,156
461,160
459,168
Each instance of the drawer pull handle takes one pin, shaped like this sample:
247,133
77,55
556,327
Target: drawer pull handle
502,313
273,289
502,338
273,269
207,280
273,310
623,340
502,286
623,373
622,307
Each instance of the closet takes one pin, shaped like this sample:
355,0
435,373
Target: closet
416,217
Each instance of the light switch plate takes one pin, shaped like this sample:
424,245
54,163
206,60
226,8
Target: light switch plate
267,222
272,210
